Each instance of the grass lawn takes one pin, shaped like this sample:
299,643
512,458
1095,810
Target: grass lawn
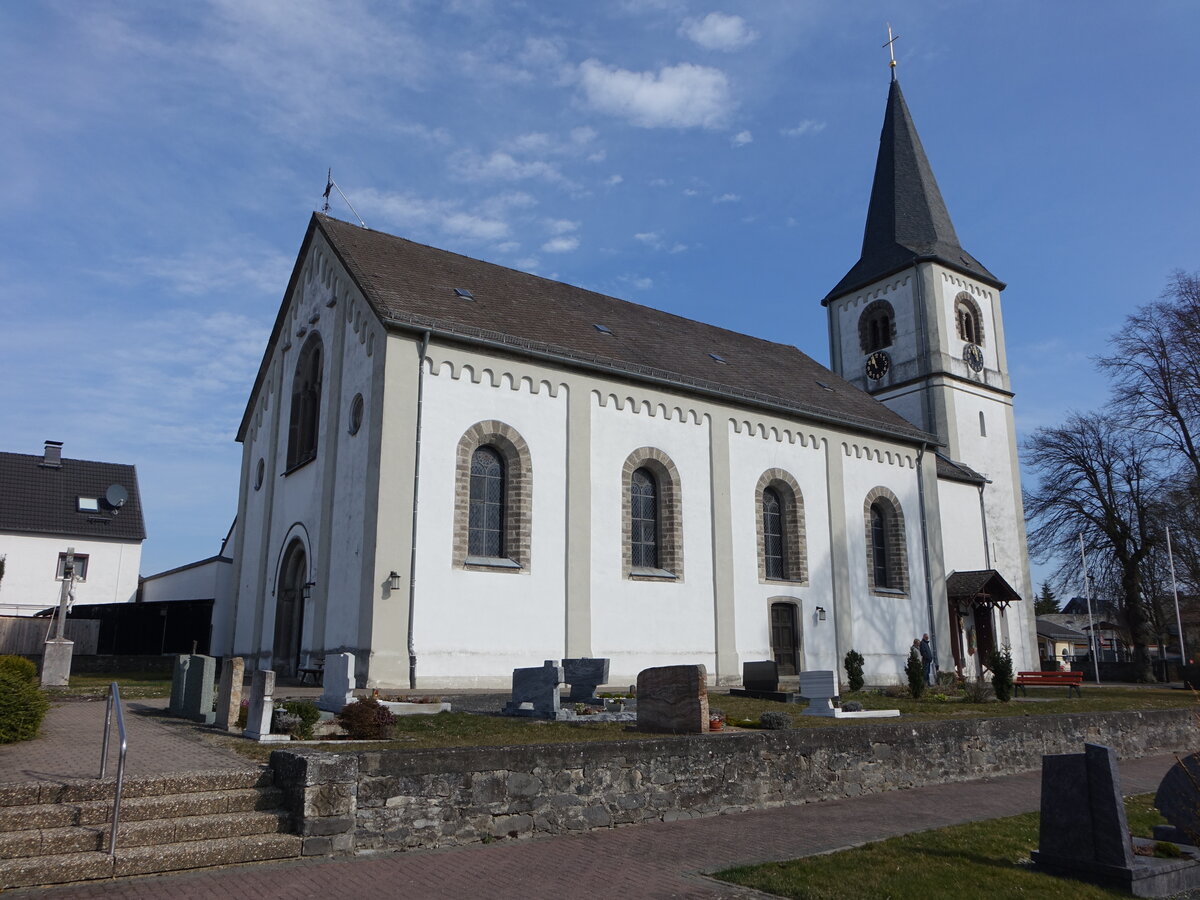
134,685
981,859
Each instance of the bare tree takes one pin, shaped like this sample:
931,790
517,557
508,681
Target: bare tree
1097,480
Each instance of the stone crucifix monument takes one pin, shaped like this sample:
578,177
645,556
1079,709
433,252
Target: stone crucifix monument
57,651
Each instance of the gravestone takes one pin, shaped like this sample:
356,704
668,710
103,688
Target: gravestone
262,707
178,684
584,676
198,689
1083,814
338,682
760,680
229,692
1178,799
673,699
820,688
535,691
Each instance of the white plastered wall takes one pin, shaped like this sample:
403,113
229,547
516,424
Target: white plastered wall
30,576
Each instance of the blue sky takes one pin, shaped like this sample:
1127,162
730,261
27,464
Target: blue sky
711,159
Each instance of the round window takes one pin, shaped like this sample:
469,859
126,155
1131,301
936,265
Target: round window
258,473
356,413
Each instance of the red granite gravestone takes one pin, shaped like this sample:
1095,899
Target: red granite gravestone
673,699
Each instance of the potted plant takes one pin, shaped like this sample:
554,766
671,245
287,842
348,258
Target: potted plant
716,719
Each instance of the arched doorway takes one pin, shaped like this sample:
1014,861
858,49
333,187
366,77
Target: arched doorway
289,611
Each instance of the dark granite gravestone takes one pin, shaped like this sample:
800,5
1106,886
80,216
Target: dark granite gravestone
535,691
178,683
584,676
761,680
198,689
673,699
1084,834
1178,799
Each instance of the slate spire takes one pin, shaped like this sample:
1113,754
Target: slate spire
907,220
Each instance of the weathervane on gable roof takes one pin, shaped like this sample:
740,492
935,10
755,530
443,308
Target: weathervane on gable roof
330,185
891,51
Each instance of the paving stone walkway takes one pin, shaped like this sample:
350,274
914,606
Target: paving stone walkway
661,860
73,734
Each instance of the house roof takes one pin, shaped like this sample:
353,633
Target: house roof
951,470
907,219
413,287
1054,630
41,499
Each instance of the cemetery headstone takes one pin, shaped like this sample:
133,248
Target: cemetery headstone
820,688
198,689
1178,799
760,679
338,682
673,699
535,691
584,676
262,707
229,692
1083,815
178,683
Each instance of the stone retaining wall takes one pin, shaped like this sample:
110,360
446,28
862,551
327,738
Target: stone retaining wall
399,799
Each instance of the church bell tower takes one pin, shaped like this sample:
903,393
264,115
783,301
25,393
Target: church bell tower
917,324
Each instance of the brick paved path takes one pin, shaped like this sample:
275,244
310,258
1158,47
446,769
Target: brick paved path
73,733
659,860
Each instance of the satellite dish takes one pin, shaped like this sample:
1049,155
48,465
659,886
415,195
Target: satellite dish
116,496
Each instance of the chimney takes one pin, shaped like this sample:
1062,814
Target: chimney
53,457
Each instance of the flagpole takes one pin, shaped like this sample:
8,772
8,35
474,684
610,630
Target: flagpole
1175,591
1087,593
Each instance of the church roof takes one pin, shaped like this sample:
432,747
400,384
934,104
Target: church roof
952,470
414,287
44,499
907,220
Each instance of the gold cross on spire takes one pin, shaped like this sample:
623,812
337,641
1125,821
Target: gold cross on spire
891,51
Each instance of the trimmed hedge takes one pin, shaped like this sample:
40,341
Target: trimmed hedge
22,703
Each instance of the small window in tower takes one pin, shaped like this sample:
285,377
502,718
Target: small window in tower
982,425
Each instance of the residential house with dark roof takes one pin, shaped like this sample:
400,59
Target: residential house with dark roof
50,504
453,469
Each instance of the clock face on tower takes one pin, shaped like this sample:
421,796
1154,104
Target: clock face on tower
878,364
973,356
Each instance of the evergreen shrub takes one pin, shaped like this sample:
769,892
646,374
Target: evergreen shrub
774,720
22,703
302,716
1002,675
854,670
366,719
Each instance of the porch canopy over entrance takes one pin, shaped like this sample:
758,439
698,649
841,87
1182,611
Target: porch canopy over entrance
973,598
981,587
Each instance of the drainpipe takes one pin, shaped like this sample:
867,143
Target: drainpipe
925,549
412,559
987,551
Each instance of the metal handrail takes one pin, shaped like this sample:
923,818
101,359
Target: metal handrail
114,699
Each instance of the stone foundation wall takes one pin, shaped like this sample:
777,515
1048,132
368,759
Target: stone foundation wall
403,799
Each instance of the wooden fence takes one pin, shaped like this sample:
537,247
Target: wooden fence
25,635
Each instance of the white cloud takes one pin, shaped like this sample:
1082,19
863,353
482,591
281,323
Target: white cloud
718,31
560,245
654,241
690,192
529,263
637,282
808,126
562,226
650,238
613,180
742,138
502,166
727,198
659,182
508,247
682,96
583,134
216,270
420,214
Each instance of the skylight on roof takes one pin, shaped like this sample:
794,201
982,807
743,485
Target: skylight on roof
89,504
603,329
464,293
718,358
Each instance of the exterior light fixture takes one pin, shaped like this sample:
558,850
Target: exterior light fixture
820,614
306,591
394,581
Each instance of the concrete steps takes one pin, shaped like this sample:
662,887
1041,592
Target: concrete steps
59,833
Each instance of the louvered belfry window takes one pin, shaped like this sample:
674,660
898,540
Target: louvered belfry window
773,546
485,527
643,495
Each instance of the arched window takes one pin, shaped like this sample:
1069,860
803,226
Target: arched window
643,506
968,319
887,548
876,326
486,515
773,535
493,493
652,538
305,420
782,544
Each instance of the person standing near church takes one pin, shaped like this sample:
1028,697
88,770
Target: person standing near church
926,652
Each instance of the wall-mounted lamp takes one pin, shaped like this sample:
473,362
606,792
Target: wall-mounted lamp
394,581
306,591
820,614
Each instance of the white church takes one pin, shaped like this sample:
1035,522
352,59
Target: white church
452,469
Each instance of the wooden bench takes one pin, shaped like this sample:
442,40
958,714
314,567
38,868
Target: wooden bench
316,670
1072,681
